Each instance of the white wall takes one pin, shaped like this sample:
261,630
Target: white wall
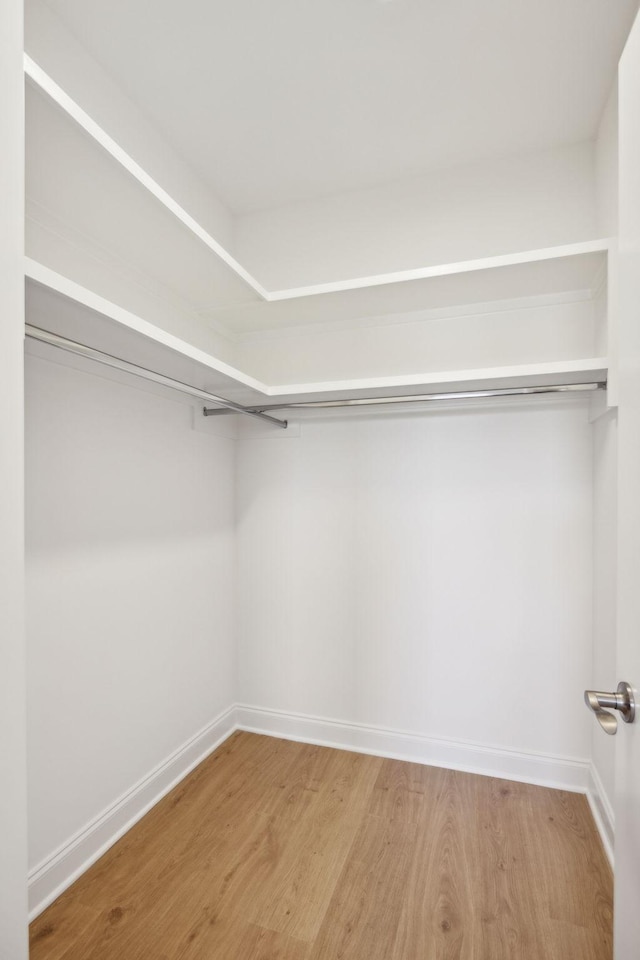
479,210
428,573
130,562
606,167
13,824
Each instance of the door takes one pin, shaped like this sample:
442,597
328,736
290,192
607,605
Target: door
627,742
13,818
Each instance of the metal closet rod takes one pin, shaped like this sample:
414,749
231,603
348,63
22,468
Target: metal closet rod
81,350
426,397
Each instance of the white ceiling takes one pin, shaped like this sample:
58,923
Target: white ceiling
274,101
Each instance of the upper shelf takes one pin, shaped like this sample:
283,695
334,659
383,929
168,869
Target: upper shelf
555,271
89,202
119,265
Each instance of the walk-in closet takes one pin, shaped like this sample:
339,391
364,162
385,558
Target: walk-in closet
322,320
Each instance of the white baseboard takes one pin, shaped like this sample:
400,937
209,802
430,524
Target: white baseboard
563,773
602,811
48,879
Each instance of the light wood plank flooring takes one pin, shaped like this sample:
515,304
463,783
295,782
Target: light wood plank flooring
272,850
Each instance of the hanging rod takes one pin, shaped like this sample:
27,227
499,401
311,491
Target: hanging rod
428,397
81,350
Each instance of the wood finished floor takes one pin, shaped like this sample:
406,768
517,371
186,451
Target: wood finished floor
272,850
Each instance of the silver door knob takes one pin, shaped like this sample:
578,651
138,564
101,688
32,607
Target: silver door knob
622,701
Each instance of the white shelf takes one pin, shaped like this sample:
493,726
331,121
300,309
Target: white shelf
555,271
41,81
79,202
62,307
85,192
445,269
589,370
